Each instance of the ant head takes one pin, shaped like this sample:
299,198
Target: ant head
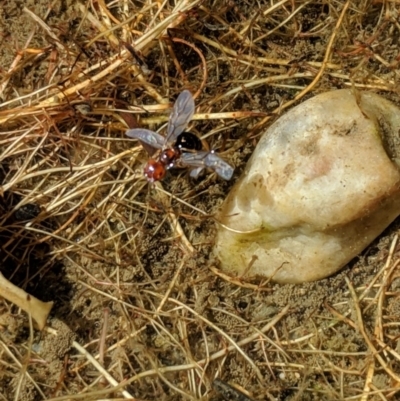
154,170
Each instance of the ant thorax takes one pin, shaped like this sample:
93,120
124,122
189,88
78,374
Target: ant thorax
169,156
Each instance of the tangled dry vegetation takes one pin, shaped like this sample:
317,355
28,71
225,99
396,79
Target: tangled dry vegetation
140,311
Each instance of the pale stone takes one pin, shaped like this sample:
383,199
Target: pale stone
322,183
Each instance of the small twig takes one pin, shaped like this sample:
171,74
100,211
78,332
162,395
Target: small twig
378,331
31,305
175,225
46,28
171,286
167,369
239,282
203,60
20,366
374,352
320,72
14,65
102,342
109,378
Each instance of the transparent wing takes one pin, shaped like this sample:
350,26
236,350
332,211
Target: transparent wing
151,138
181,114
196,172
200,160
221,167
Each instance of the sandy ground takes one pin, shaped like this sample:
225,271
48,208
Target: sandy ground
82,227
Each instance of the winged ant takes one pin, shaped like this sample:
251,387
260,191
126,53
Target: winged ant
179,148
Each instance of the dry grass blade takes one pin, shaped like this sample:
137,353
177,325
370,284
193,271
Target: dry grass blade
37,309
81,227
